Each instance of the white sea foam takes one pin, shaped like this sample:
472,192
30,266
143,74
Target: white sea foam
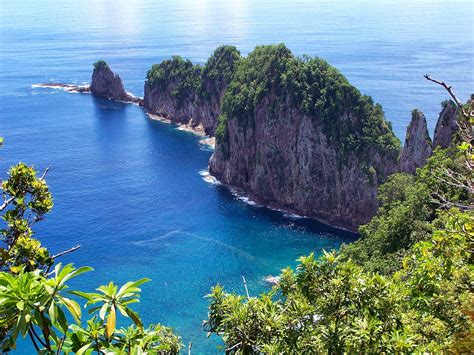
292,215
158,238
73,89
245,199
180,233
272,280
209,178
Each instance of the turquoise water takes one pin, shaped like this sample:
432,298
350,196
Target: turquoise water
129,190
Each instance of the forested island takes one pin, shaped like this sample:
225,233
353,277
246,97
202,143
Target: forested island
293,133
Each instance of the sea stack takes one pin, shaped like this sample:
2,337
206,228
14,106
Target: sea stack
446,126
417,147
106,83
295,134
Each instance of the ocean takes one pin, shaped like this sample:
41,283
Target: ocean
131,191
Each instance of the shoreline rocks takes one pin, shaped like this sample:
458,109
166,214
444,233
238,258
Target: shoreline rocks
85,89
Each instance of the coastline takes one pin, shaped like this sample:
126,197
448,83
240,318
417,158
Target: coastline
209,142
72,88
254,201
197,130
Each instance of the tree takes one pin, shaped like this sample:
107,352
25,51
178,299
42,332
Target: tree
35,301
421,239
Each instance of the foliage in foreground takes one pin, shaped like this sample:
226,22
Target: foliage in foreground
36,302
407,214
409,205
422,242
334,306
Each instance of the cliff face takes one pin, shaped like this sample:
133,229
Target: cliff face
186,93
295,134
417,148
109,85
446,126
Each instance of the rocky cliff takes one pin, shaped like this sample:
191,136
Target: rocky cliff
417,148
291,132
109,85
295,134
446,126
190,94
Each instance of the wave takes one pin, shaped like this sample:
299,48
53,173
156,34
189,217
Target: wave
158,238
292,215
245,199
239,195
219,243
70,88
207,177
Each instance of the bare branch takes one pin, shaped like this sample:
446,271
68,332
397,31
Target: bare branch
233,347
66,252
245,286
440,200
6,203
449,89
44,174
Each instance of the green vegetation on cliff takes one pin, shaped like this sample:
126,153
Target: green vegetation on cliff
100,64
187,80
314,88
218,71
176,73
405,286
331,306
409,209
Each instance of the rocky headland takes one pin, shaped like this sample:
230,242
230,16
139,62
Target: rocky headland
289,132
294,133
447,126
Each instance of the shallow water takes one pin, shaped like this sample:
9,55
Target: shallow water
129,190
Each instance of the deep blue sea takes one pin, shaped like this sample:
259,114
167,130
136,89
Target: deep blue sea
129,190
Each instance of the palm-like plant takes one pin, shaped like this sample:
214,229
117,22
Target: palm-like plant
29,301
112,299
